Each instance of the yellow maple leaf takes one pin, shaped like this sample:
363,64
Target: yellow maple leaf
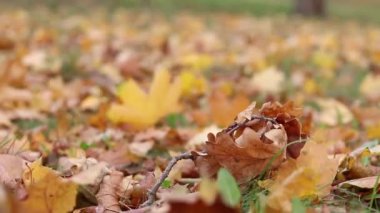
310,175
141,109
192,84
47,192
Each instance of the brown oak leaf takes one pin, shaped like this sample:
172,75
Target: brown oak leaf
254,142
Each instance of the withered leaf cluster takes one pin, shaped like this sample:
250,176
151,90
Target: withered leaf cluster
259,139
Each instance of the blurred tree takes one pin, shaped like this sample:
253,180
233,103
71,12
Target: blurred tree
311,7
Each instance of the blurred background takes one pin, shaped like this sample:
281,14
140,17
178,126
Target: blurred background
362,10
222,50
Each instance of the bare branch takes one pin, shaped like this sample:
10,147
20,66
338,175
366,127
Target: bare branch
152,192
236,126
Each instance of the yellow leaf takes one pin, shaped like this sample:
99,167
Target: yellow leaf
141,109
310,175
324,60
47,192
208,190
197,62
192,84
310,86
373,131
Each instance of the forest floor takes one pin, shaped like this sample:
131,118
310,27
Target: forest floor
144,112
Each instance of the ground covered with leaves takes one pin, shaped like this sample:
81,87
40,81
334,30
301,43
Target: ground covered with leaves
139,112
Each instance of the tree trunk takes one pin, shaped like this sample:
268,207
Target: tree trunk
311,7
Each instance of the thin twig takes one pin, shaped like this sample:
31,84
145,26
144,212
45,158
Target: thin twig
152,192
236,126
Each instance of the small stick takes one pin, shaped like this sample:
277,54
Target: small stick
236,126
152,192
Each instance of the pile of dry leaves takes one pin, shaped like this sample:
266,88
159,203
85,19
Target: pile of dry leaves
189,114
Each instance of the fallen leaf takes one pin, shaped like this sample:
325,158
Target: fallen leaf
246,151
370,87
201,138
223,109
311,174
118,156
108,196
269,81
333,112
364,183
197,62
245,160
373,131
91,175
192,84
47,192
141,148
287,115
325,60
142,110
11,170
208,191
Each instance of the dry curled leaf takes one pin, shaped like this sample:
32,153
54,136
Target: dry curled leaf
364,183
287,115
91,175
108,196
11,170
246,152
